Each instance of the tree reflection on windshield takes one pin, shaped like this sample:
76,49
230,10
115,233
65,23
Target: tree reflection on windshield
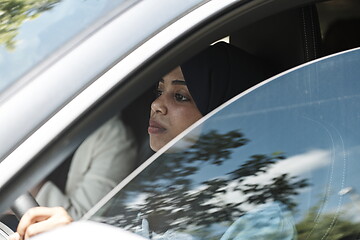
171,197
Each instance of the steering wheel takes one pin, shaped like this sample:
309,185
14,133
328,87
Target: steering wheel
5,232
20,206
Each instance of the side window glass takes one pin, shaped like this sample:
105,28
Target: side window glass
280,162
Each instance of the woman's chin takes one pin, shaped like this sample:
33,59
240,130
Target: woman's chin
155,144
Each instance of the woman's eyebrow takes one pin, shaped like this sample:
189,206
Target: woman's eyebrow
178,82
174,82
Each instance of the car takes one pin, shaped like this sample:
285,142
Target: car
278,161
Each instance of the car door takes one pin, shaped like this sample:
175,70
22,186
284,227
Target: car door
101,65
137,42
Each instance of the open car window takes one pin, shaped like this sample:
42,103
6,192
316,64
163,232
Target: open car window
280,162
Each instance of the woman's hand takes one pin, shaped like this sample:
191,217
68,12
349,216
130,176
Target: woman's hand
40,219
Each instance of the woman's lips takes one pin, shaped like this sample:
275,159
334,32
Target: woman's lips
155,128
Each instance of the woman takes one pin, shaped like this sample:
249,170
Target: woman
183,96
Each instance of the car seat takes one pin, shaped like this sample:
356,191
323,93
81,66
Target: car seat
342,35
285,40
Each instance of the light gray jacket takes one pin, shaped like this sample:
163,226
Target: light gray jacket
104,159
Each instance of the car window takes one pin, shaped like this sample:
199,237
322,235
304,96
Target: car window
280,162
31,30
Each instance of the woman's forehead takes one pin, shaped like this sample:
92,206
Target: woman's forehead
175,74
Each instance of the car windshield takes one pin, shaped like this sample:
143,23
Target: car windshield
280,162
31,30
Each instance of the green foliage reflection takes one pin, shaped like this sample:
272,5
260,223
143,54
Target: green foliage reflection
13,13
332,226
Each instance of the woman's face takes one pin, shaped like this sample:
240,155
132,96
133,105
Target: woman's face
172,111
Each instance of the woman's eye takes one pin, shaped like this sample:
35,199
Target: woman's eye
181,98
158,93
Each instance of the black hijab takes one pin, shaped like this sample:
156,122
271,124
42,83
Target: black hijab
219,73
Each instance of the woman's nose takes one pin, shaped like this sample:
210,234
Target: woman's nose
159,105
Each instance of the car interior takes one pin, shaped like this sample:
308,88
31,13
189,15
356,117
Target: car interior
284,39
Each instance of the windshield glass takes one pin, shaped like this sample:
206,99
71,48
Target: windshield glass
281,162
32,30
